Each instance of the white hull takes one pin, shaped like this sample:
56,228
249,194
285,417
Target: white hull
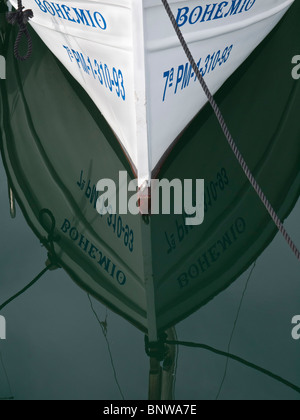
128,59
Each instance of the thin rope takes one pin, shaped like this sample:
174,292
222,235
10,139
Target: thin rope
228,135
103,326
26,287
233,330
7,380
239,360
21,17
49,244
175,373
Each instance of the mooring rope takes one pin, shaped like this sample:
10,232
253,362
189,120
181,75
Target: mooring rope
21,292
49,244
234,328
10,397
158,350
228,135
21,17
237,359
103,326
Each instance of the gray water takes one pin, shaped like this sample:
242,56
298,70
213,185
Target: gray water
55,348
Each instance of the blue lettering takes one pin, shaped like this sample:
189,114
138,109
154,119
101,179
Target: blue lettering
242,7
83,63
203,263
183,280
67,12
240,225
179,76
104,262
209,12
100,21
66,226
212,11
182,16
58,10
187,76
74,234
219,12
94,197
250,4
195,16
92,251
77,57
91,19
83,243
81,18
39,3
121,278
193,271
49,8
69,52
234,8
225,242
214,254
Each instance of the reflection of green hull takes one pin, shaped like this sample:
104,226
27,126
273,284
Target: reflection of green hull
54,138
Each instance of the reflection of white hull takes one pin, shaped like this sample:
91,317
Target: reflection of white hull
127,57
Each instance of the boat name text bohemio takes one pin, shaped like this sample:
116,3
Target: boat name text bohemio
93,252
212,11
207,260
79,16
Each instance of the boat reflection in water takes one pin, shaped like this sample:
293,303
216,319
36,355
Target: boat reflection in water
152,271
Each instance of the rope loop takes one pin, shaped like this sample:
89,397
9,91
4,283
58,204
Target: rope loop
45,216
21,17
48,242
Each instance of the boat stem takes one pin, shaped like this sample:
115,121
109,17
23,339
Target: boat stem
162,377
